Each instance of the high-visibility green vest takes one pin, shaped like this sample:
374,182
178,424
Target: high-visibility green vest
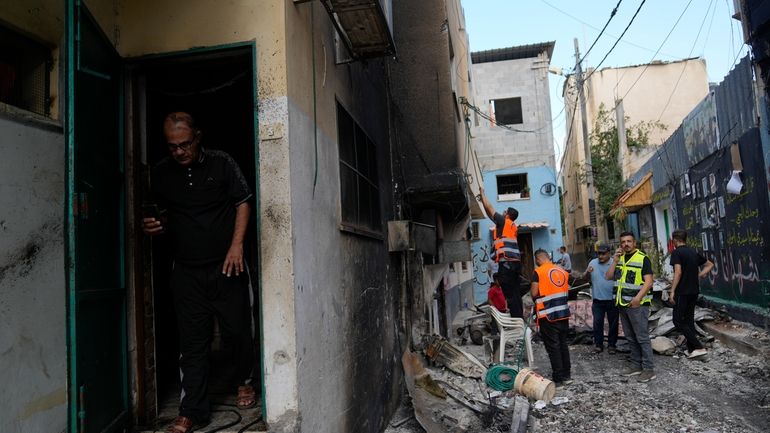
631,280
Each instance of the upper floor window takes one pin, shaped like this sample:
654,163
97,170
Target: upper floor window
508,111
25,67
512,186
359,186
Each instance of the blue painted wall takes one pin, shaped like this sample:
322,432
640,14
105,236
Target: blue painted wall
538,207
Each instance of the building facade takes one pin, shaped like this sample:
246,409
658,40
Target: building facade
663,92
303,96
513,137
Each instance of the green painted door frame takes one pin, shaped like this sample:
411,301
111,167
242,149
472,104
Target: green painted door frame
252,47
97,383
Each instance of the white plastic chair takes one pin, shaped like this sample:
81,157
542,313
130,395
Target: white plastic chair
512,329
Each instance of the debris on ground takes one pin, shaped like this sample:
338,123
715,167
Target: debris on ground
663,346
724,391
443,352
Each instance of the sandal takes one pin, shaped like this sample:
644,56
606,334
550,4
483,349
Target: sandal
246,398
181,424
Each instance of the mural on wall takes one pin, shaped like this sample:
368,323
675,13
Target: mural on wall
701,137
728,228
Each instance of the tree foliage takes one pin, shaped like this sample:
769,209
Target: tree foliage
607,172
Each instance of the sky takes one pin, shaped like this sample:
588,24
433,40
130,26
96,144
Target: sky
705,28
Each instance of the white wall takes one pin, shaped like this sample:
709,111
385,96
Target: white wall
33,372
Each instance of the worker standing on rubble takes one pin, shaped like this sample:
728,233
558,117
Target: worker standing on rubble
633,297
506,254
549,289
685,288
603,303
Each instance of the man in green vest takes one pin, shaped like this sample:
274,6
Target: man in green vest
633,281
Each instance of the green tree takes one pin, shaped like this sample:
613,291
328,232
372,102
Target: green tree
607,173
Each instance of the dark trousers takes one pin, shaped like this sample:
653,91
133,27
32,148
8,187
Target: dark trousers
200,294
554,335
684,319
509,274
600,309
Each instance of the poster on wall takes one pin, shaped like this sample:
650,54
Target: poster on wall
700,130
713,183
721,205
705,186
713,214
697,214
705,241
704,214
721,236
684,185
711,242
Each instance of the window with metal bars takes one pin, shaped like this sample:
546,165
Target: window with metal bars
25,67
359,186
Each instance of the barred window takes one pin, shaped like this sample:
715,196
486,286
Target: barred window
25,67
359,186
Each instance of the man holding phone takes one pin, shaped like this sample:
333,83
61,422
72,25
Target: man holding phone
206,212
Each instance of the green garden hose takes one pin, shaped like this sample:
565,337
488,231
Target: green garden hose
500,377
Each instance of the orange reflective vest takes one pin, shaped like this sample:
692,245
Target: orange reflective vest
553,286
507,246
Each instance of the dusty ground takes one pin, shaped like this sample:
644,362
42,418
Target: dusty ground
725,392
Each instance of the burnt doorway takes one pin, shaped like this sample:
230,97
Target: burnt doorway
527,257
217,88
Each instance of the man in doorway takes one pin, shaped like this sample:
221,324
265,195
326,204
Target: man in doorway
550,289
633,298
205,199
685,288
564,261
603,303
507,255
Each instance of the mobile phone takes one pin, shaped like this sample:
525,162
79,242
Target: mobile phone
150,210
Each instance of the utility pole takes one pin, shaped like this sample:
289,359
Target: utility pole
586,144
620,122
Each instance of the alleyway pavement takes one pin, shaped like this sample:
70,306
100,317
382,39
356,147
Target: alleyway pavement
727,391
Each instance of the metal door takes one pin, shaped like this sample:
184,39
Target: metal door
98,398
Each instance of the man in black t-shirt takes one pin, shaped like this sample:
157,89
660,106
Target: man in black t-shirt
685,288
205,198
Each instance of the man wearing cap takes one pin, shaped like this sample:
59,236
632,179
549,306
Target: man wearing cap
507,254
603,300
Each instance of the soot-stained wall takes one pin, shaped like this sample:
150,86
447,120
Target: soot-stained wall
345,284
32,294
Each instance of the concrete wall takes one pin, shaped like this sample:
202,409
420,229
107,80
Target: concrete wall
345,287
658,95
527,79
537,208
32,293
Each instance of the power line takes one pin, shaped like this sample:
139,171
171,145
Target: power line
684,64
608,34
656,53
617,41
612,15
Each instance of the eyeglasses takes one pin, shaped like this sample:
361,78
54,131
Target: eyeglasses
185,146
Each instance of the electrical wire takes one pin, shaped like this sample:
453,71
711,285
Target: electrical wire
617,41
684,64
647,65
601,32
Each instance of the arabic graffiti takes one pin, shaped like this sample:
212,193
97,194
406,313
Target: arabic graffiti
481,260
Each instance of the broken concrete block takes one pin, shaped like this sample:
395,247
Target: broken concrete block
452,357
520,415
540,404
559,401
663,346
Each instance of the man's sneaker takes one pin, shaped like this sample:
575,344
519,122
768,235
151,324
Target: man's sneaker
646,376
611,350
598,349
697,353
631,371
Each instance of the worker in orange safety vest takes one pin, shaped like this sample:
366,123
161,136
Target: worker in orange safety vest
506,254
550,289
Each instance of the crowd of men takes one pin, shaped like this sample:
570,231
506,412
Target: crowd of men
621,288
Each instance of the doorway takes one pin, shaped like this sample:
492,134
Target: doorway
527,259
216,86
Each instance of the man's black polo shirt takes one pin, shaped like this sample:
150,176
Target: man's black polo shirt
200,201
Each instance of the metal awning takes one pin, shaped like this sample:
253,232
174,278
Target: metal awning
364,25
639,196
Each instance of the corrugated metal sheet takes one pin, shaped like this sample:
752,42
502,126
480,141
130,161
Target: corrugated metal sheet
736,111
736,114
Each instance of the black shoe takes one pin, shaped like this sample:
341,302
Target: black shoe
612,350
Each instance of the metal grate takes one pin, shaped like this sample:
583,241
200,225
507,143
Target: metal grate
25,67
